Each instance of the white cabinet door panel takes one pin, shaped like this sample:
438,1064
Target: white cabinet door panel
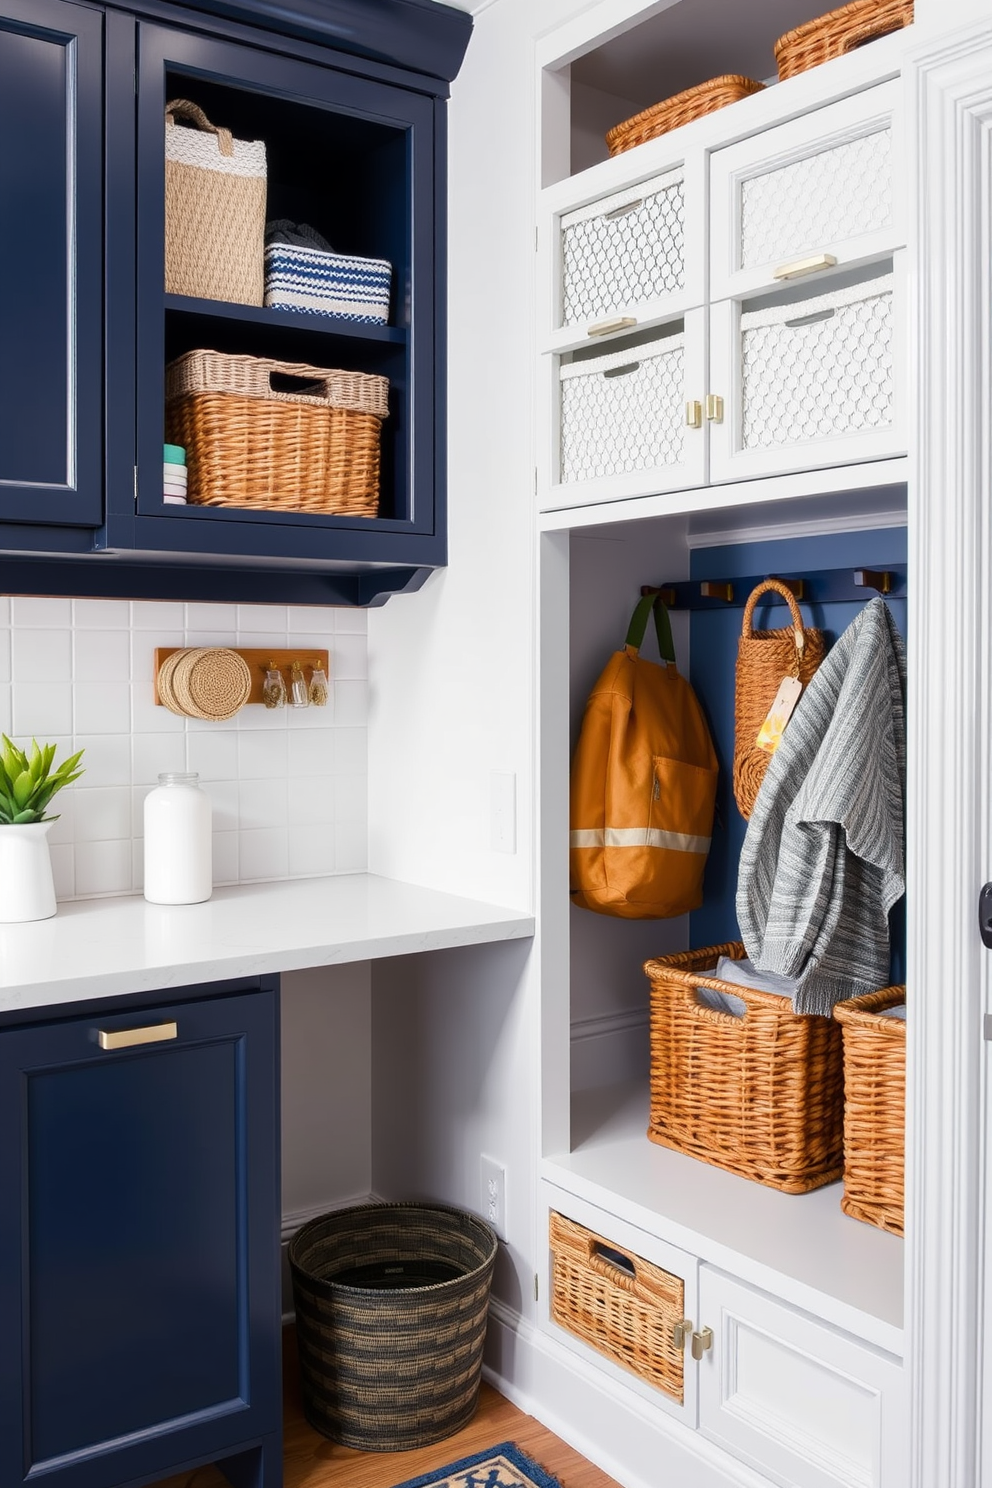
799,1400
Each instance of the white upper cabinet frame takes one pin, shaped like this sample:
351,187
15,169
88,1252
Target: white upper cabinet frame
826,189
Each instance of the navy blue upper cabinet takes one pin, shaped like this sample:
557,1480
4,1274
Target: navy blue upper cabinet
51,263
355,147
139,1242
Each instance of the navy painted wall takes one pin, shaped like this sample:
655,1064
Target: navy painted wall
713,654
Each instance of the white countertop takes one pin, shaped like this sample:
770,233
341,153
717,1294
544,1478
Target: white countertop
107,947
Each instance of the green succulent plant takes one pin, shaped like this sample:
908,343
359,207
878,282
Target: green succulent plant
28,783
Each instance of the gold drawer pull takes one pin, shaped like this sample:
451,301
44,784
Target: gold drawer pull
681,1333
129,1038
623,211
607,327
714,408
694,414
801,266
701,1341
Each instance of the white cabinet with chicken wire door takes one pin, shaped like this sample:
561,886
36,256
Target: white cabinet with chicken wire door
809,377
816,193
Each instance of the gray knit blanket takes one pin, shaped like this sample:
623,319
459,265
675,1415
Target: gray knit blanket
823,858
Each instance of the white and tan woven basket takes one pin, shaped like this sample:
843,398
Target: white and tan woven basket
214,210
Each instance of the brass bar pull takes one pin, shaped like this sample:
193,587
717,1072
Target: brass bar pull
681,1333
129,1038
801,266
623,211
607,327
869,578
714,408
714,589
701,1341
694,414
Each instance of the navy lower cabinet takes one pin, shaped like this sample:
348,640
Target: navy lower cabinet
348,98
139,1242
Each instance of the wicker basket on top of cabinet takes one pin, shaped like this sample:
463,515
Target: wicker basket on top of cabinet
838,32
621,1305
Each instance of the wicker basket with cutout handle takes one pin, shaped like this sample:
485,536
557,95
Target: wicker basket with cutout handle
764,659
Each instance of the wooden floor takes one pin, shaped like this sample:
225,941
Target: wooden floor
311,1461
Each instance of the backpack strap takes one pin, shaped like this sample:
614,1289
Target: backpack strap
663,627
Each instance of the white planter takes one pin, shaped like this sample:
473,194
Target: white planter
27,891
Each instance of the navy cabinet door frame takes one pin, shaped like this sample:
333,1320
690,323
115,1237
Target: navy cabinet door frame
51,263
141,1183
416,535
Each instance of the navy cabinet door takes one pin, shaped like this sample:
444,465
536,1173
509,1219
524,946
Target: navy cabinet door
51,263
139,1245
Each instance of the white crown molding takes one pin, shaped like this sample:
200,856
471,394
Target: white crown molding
949,106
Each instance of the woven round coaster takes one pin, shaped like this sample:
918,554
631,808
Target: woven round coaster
166,673
214,684
178,680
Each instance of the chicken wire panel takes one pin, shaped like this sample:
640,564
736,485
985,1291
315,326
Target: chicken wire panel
818,369
621,253
623,413
836,194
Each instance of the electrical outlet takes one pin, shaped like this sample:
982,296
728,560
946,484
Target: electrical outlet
494,1194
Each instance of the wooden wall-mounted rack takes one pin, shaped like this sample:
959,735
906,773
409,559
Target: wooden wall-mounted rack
259,660
825,586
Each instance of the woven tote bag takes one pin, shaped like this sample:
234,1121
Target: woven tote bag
764,659
643,785
214,210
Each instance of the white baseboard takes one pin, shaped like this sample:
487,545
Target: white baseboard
612,1428
291,1222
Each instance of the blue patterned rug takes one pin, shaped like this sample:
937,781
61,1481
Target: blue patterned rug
504,1466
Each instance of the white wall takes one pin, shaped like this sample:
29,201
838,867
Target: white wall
288,785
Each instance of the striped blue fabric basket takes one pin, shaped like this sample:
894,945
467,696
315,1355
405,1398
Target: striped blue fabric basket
318,283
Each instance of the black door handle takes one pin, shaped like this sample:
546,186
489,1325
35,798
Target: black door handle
985,915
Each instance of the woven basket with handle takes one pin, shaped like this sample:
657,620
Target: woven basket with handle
691,104
276,436
214,210
764,659
839,32
761,1095
874,1108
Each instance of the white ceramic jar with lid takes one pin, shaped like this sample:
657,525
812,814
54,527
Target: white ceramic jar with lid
178,841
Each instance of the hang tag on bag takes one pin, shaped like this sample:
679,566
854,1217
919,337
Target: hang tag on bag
781,710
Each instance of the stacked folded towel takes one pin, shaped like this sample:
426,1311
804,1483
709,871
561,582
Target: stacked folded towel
174,475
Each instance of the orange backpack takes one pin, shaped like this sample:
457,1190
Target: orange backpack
643,785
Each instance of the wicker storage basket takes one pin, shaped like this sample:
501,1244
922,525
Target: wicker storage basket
214,210
705,98
391,1309
764,658
317,283
250,444
874,1108
838,32
623,411
619,1304
759,1095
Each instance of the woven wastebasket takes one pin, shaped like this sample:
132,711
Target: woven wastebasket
391,1308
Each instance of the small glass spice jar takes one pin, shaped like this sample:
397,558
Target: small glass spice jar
318,687
299,692
178,841
274,687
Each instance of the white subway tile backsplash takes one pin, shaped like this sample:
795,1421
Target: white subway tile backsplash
101,707
43,656
102,868
213,753
101,614
156,614
101,655
287,786
263,854
34,613
41,710
310,852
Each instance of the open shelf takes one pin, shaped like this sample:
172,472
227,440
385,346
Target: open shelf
799,1246
294,320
